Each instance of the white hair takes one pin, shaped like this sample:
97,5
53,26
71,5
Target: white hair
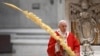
62,21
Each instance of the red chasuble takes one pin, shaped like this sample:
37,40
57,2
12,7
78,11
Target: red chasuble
72,42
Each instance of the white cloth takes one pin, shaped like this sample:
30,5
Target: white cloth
65,35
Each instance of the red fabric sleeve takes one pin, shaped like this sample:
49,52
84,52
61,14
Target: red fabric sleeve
76,46
51,47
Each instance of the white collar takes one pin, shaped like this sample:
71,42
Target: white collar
66,33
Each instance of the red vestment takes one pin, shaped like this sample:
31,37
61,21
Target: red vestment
72,42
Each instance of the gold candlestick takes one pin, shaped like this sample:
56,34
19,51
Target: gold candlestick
44,26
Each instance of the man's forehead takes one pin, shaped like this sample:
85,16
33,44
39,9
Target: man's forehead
62,22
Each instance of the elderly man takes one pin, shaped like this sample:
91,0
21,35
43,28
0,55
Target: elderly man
55,49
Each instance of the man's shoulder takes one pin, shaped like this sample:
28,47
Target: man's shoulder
71,33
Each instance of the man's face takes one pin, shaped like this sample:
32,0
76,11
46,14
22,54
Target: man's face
63,27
